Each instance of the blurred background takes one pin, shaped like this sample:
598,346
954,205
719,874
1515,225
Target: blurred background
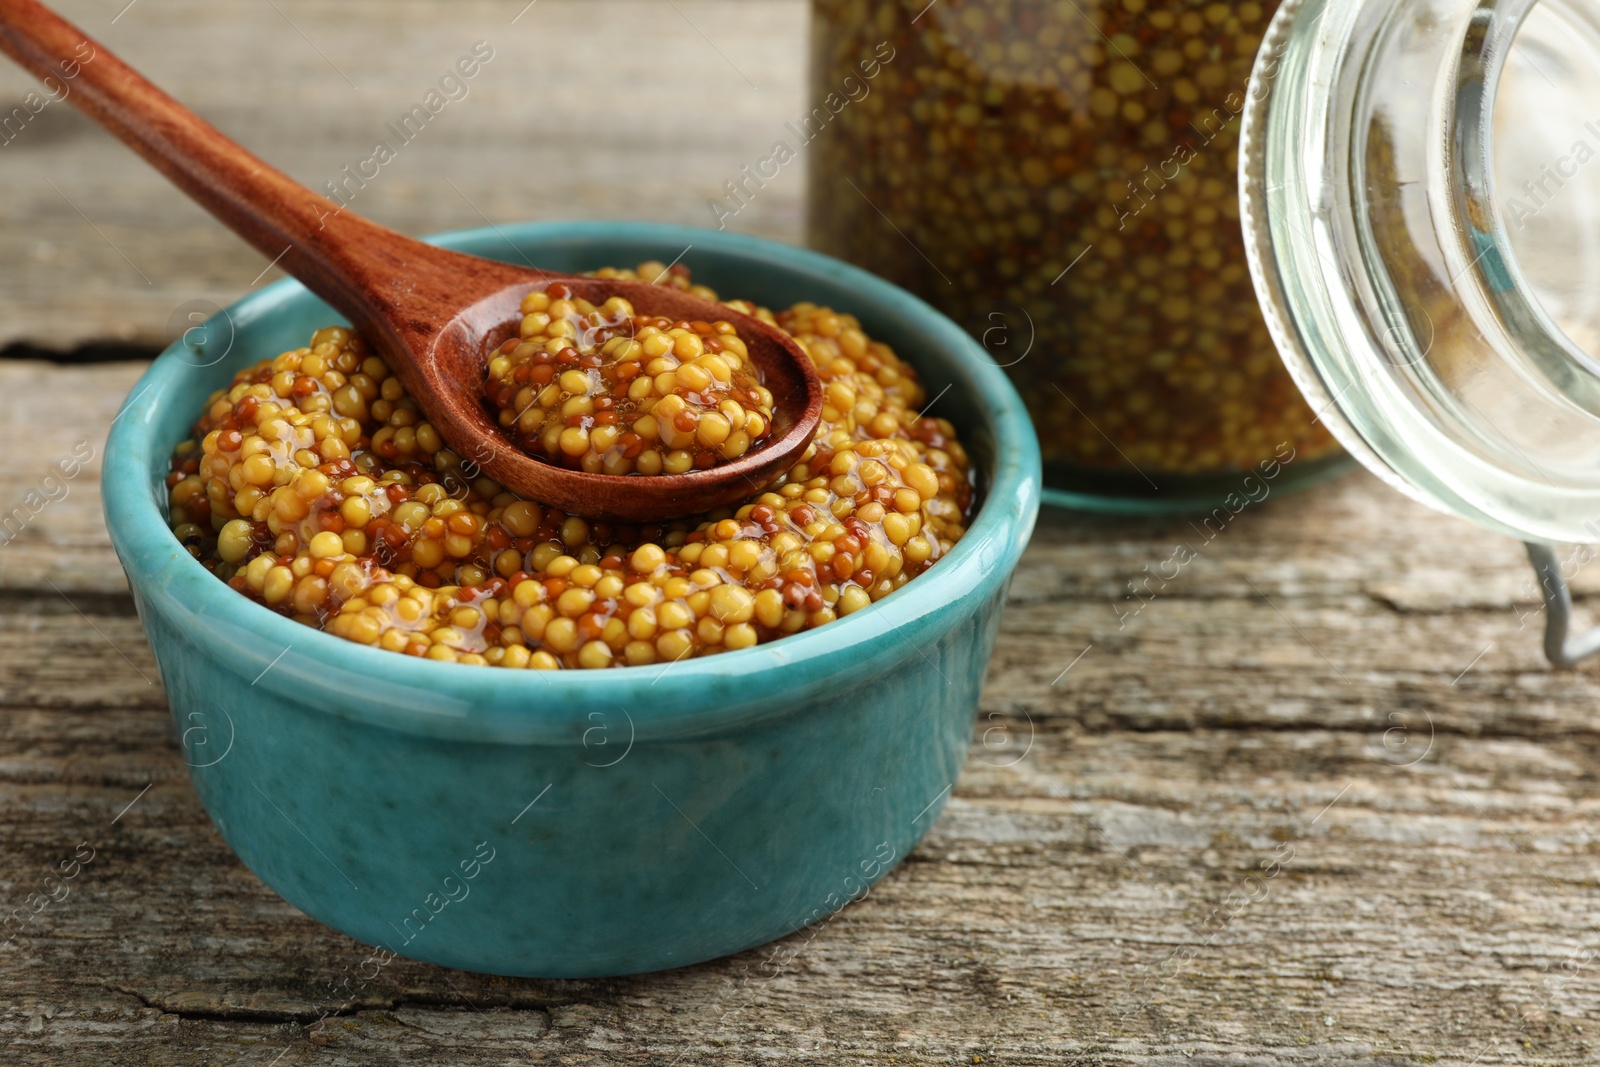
584,111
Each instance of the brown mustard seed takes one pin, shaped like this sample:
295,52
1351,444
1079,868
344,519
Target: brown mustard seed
314,486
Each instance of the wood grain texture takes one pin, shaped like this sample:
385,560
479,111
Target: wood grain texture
1340,685
1319,802
604,109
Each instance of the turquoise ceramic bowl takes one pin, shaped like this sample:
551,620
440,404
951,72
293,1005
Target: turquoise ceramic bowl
578,823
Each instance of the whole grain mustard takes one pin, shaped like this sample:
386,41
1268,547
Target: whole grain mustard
607,391
314,486
1061,180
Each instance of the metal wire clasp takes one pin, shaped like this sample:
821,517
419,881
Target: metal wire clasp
1561,647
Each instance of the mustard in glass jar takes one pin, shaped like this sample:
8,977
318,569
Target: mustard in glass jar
1059,176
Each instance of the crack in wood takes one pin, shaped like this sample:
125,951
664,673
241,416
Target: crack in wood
309,1017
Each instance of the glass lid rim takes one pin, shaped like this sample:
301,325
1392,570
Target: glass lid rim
1318,313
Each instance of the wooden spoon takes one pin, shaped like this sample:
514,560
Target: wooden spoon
434,315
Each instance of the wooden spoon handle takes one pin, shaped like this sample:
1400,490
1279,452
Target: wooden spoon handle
284,220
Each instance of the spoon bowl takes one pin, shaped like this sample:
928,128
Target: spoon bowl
433,315
443,370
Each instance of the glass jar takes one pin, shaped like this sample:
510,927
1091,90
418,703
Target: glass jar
1059,176
1421,206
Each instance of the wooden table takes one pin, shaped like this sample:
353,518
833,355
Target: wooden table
1321,801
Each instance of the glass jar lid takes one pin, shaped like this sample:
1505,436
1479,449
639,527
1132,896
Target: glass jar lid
1420,198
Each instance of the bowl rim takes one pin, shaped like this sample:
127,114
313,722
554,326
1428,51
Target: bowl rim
980,563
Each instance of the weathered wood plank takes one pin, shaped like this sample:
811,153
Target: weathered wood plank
627,109
54,538
1337,607
1423,912
1432,826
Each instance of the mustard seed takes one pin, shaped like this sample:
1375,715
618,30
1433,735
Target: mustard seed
390,540
609,392
1060,179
